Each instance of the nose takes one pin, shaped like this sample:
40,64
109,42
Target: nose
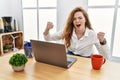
77,20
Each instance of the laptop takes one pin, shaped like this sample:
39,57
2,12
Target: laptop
51,53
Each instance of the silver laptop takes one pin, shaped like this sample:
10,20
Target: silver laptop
51,53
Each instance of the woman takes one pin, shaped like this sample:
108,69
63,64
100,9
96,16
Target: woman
78,35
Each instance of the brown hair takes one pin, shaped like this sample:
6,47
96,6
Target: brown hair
67,33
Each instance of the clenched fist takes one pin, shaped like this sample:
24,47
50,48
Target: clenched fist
101,38
48,27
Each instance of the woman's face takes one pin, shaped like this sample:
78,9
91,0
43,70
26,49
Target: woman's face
79,21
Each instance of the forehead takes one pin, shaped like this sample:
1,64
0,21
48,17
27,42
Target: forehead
78,13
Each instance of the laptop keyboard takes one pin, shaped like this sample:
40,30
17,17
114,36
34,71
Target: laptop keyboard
69,62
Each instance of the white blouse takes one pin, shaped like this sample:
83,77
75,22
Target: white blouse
83,46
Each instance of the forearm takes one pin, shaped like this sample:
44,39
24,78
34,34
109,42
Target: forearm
53,37
46,32
106,51
103,49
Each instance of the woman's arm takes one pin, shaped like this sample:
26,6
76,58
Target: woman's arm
51,37
101,44
103,49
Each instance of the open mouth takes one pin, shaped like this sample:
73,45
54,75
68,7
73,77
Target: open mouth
78,25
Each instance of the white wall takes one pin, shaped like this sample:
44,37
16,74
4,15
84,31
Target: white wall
64,7
3,7
12,8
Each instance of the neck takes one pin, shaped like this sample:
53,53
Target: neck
79,31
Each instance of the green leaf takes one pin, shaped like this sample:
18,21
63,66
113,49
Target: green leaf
18,59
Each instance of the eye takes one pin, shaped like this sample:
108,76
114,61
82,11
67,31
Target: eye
74,19
80,17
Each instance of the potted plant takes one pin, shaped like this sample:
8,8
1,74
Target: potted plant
18,61
5,48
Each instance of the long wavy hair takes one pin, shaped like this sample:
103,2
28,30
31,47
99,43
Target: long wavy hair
67,33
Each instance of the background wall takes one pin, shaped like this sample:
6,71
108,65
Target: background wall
4,7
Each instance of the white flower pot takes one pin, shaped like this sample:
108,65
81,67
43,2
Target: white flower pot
18,68
5,51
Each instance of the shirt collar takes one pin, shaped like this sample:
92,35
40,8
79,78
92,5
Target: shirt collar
86,31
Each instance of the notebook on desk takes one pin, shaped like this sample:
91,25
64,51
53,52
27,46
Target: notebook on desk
51,53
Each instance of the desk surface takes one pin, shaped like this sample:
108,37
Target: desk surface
80,70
